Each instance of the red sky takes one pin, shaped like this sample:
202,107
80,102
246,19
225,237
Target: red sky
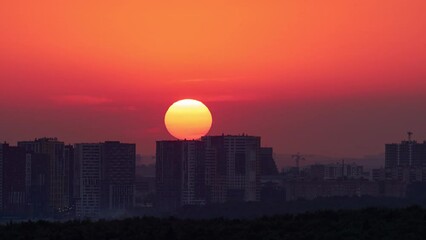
329,77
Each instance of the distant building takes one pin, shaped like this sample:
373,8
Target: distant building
272,188
15,198
401,174
168,174
104,178
317,172
309,190
24,182
266,162
59,170
342,170
193,173
215,169
87,170
38,184
1,176
118,176
69,159
180,178
232,168
144,191
405,154
333,171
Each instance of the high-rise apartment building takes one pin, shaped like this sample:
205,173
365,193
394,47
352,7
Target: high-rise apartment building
405,154
168,174
232,167
104,178
14,181
69,168
193,173
1,177
24,182
58,170
179,174
118,176
38,184
87,171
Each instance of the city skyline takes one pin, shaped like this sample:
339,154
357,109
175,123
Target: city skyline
48,179
381,152
304,75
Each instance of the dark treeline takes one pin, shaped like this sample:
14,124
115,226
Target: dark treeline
370,223
270,208
260,209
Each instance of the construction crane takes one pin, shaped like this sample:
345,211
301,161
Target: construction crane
297,158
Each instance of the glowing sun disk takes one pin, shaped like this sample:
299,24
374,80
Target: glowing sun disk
188,119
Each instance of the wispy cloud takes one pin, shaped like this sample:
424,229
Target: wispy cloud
229,98
220,79
80,100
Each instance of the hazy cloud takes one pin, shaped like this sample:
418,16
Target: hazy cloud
80,100
221,79
228,98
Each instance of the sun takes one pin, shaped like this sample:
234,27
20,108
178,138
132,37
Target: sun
188,119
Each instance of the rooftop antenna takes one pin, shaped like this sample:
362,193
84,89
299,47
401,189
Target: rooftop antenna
409,135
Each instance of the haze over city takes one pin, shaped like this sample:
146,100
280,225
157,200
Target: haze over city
244,119
336,78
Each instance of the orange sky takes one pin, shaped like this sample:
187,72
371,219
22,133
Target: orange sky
331,77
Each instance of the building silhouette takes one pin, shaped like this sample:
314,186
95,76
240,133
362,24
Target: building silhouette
58,170
45,178
24,182
69,159
193,181
14,181
38,180
168,174
405,154
266,162
232,168
87,169
1,176
179,174
216,169
118,176
104,178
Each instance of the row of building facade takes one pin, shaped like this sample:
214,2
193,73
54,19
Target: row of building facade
226,168
45,178
215,169
404,166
